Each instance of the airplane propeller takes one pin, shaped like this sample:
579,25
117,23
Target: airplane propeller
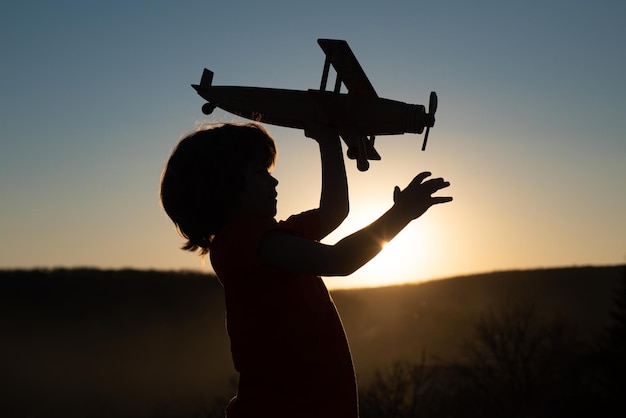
432,108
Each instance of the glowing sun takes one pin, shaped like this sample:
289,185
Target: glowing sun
398,262
411,256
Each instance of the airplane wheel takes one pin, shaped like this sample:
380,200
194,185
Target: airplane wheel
362,165
208,108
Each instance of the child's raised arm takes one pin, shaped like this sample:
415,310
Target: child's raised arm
334,204
288,252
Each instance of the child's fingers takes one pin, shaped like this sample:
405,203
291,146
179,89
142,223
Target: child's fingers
319,131
396,194
441,199
421,177
417,180
432,185
421,188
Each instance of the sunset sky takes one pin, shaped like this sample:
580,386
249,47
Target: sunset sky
530,128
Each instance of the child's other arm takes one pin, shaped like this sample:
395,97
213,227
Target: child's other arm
352,252
334,204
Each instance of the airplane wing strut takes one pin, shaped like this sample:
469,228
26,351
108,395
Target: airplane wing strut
348,69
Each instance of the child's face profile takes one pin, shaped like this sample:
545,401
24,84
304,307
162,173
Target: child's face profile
258,196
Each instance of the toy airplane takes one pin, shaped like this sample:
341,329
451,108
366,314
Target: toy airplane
358,116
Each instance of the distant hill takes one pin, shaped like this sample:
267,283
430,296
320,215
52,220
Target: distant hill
436,317
150,339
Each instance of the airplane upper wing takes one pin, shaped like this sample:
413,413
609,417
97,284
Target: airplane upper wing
348,69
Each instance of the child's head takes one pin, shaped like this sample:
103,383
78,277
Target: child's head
205,174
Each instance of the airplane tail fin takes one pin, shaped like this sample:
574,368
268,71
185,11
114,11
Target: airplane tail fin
207,78
205,81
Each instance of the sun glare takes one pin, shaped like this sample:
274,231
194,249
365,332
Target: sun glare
396,263
413,255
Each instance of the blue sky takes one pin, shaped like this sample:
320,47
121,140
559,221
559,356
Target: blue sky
530,126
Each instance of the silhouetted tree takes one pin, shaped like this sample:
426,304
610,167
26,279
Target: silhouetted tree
514,362
612,354
405,391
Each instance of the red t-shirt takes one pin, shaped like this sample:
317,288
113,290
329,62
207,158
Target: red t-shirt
287,341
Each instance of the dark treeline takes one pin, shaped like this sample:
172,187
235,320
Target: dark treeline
110,343
517,363
122,343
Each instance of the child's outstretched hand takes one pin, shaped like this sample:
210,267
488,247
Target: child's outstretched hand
417,197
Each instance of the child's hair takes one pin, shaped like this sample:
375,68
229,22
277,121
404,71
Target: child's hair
204,176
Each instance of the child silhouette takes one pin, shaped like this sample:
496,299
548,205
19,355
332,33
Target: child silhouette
287,341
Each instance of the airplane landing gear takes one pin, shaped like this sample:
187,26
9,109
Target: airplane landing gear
208,108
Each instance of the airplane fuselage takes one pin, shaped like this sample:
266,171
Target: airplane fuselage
298,109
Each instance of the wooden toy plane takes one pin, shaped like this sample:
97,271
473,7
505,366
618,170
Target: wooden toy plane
359,116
